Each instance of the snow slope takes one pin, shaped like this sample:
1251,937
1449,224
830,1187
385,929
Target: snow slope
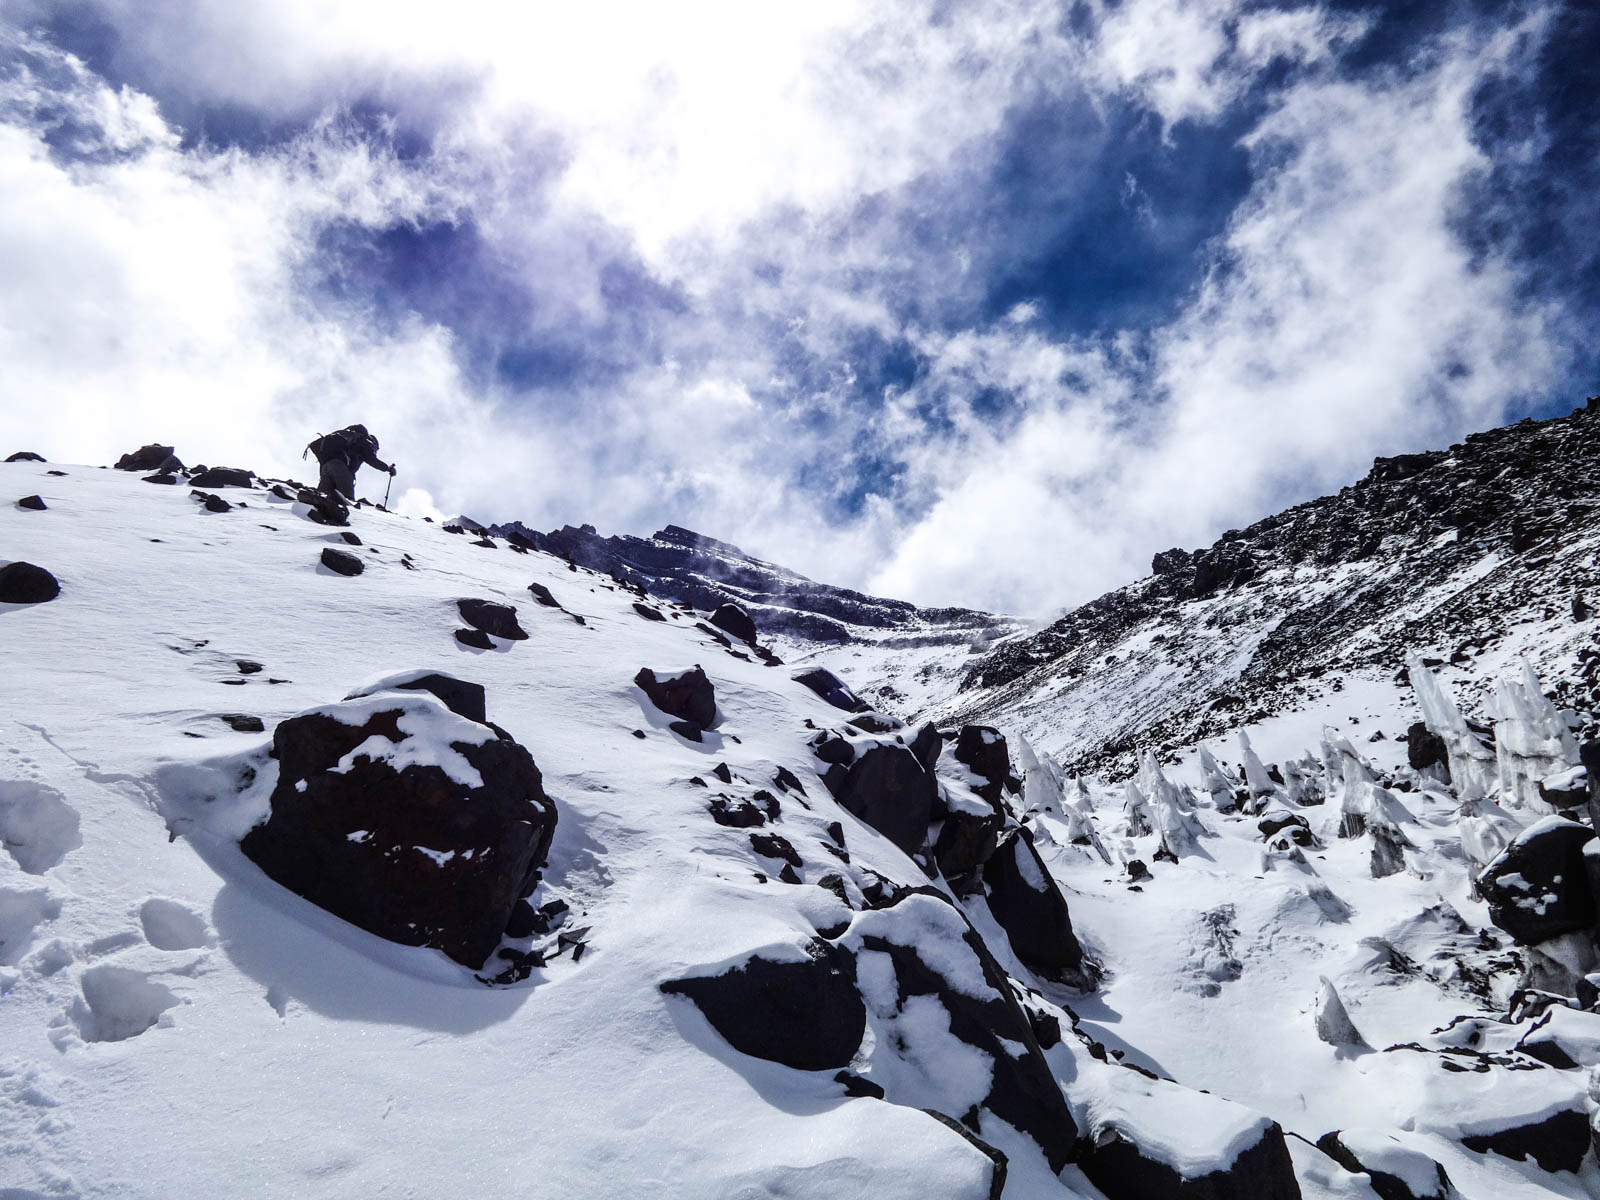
173,1023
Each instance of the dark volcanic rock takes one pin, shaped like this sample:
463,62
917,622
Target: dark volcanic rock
342,562
162,477
688,695
1557,1143
831,688
1029,906
744,814
1388,1185
1537,888
150,458
24,456
889,789
25,583
966,840
458,695
984,751
212,503
735,620
414,855
35,503
476,638
1425,749
542,595
213,477
1022,1090
648,612
497,619
1116,1165
804,1014
243,723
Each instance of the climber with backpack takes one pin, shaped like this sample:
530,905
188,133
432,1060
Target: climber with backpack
340,455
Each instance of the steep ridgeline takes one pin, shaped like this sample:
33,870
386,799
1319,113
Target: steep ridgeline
680,565
1469,555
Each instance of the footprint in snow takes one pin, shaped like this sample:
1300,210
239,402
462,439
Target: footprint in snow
37,826
117,1003
169,925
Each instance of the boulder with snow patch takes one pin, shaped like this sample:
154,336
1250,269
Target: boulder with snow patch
800,1009
1425,749
1152,1139
461,697
969,830
1291,825
1537,888
24,456
831,688
733,619
688,695
406,819
499,620
948,1031
1397,1171
27,583
1557,1141
984,752
342,562
215,477
150,458
1029,906
888,789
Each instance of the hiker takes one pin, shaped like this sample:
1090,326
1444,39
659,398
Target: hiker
340,454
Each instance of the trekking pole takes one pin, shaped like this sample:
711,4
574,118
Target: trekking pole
386,488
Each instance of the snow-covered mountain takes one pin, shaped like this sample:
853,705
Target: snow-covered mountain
1473,556
384,860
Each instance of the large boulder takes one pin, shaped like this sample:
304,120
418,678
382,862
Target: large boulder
1152,1139
1425,749
890,790
24,456
801,1010
404,818
984,752
969,830
26,583
831,688
1557,1142
492,618
928,977
733,619
1537,887
688,695
461,697
1029,906
1397,1171
150,458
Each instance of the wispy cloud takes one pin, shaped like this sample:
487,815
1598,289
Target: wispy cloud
978,303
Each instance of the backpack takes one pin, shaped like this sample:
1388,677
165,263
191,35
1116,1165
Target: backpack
330,446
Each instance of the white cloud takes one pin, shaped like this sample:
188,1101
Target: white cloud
762,161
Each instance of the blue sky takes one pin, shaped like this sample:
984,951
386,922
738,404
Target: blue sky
979,303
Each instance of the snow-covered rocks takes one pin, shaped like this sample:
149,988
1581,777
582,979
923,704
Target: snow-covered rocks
889,789
406,819
688,695
1538,887
1397,1171
734,620
794,1005
1029,906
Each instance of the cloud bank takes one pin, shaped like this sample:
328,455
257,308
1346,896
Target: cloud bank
975,304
